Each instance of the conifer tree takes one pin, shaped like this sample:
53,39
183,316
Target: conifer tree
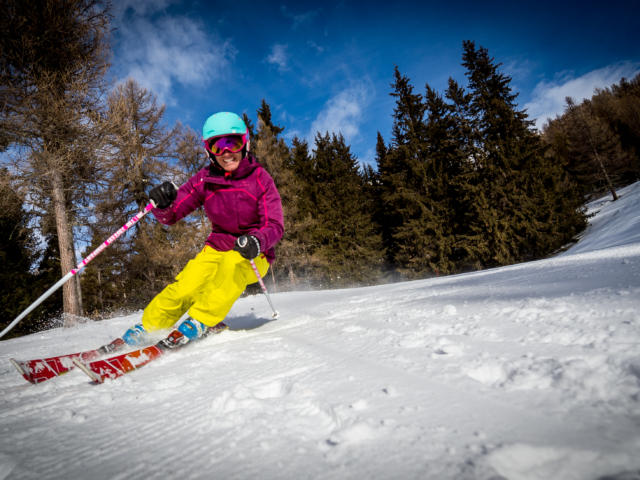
417,177
191,158
16,256
348,249
295,249
593,141
466,182
594,151
513,186
52,72
189,153
401,175
273,153
599,139
462,152
445,165
383,213
136,147
623,112
26,272
264,113
302,166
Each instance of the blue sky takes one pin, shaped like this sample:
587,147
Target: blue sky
328,66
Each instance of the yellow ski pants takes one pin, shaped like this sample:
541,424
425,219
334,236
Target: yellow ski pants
207,287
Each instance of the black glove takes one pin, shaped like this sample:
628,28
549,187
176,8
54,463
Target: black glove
248,246
163,195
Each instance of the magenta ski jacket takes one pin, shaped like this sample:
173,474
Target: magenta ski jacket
245,201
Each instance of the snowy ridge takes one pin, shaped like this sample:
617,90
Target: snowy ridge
525,372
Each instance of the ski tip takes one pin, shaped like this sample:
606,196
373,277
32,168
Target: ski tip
21,370
90,373
18,365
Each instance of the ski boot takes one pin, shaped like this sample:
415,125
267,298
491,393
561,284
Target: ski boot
193,329
189,330
135,335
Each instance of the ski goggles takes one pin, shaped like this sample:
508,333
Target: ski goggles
233,143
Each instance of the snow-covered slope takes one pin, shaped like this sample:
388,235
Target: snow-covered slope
525,372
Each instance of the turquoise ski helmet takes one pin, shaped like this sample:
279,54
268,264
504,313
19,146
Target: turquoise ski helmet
225,123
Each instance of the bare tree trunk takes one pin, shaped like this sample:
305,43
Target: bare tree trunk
70,299
292,277
594,149
604,172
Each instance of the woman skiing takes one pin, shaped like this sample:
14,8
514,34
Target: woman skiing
243,204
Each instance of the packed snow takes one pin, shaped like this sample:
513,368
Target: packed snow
525,372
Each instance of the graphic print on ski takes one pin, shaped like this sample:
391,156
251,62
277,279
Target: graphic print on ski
41,369
117,366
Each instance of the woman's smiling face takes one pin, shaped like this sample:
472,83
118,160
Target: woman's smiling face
229,161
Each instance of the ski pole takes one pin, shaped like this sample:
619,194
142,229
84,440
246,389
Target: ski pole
264,289
79,267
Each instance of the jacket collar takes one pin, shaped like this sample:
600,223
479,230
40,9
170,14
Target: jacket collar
247,165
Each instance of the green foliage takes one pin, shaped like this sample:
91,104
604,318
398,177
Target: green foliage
15,255
293,264
264,115
20,282
136,145
272,152
330,236
52,66
599,139
525,205
465,182
347,247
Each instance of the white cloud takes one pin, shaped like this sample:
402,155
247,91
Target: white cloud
160,53
299,19
279,56
318,48
548,98
343,113
139,7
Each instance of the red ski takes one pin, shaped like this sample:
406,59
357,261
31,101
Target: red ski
115,367
119,365
42,369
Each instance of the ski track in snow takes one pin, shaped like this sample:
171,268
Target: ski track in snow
525,372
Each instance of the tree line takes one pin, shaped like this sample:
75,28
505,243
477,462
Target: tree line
465,182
